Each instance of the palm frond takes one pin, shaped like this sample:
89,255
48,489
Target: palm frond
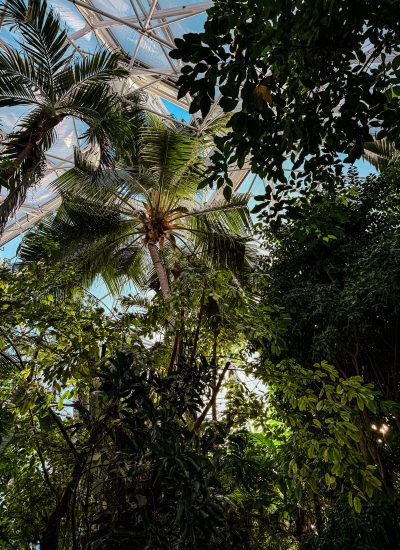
93,242
44,40
90,103
215,243
174,157
101,109
101,66
9,362
137,301
380,152
216,126
17,182
19,171
134,120
89,183
119,188
233,215
20,80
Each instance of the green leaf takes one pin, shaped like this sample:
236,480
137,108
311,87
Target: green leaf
292,467
330,480
350,498
360,403
357,505
227,192
396,62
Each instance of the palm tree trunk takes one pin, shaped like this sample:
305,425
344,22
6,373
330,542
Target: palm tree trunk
30,139
160,269
166,292
28,144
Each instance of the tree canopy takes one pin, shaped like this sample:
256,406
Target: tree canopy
125,223
307,82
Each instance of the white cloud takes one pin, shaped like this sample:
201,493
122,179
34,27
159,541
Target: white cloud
69,15
119,7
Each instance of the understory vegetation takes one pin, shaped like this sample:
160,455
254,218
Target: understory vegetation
241,391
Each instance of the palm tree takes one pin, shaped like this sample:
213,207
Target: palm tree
130,223
380,152
45,76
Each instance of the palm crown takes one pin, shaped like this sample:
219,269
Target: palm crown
45,75
128,223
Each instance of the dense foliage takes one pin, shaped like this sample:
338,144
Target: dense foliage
307,79
235,402
108,441
332,268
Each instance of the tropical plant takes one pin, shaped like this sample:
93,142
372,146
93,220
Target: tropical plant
380,152
125,224
48,348
44,75
376,527
333,267
103,446
100,446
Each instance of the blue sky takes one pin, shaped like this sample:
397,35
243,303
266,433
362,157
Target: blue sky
178,112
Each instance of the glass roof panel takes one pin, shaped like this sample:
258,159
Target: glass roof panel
66,139
69,14
74,22
120,8
174,3
176,111
9,250
144,30
148,52
151,53
192,24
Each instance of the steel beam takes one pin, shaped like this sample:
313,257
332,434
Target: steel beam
179,12
19,225
121,21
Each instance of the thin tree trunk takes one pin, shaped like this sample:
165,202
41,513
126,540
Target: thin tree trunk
34,136
199,319
214,363
175,351
50,535
166,292
160,269
214,395
49,539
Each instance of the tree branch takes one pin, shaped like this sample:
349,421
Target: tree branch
42,461
215,392
64,433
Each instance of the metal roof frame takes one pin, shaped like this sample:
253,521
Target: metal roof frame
152,22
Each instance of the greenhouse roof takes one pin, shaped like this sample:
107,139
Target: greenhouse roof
144,31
